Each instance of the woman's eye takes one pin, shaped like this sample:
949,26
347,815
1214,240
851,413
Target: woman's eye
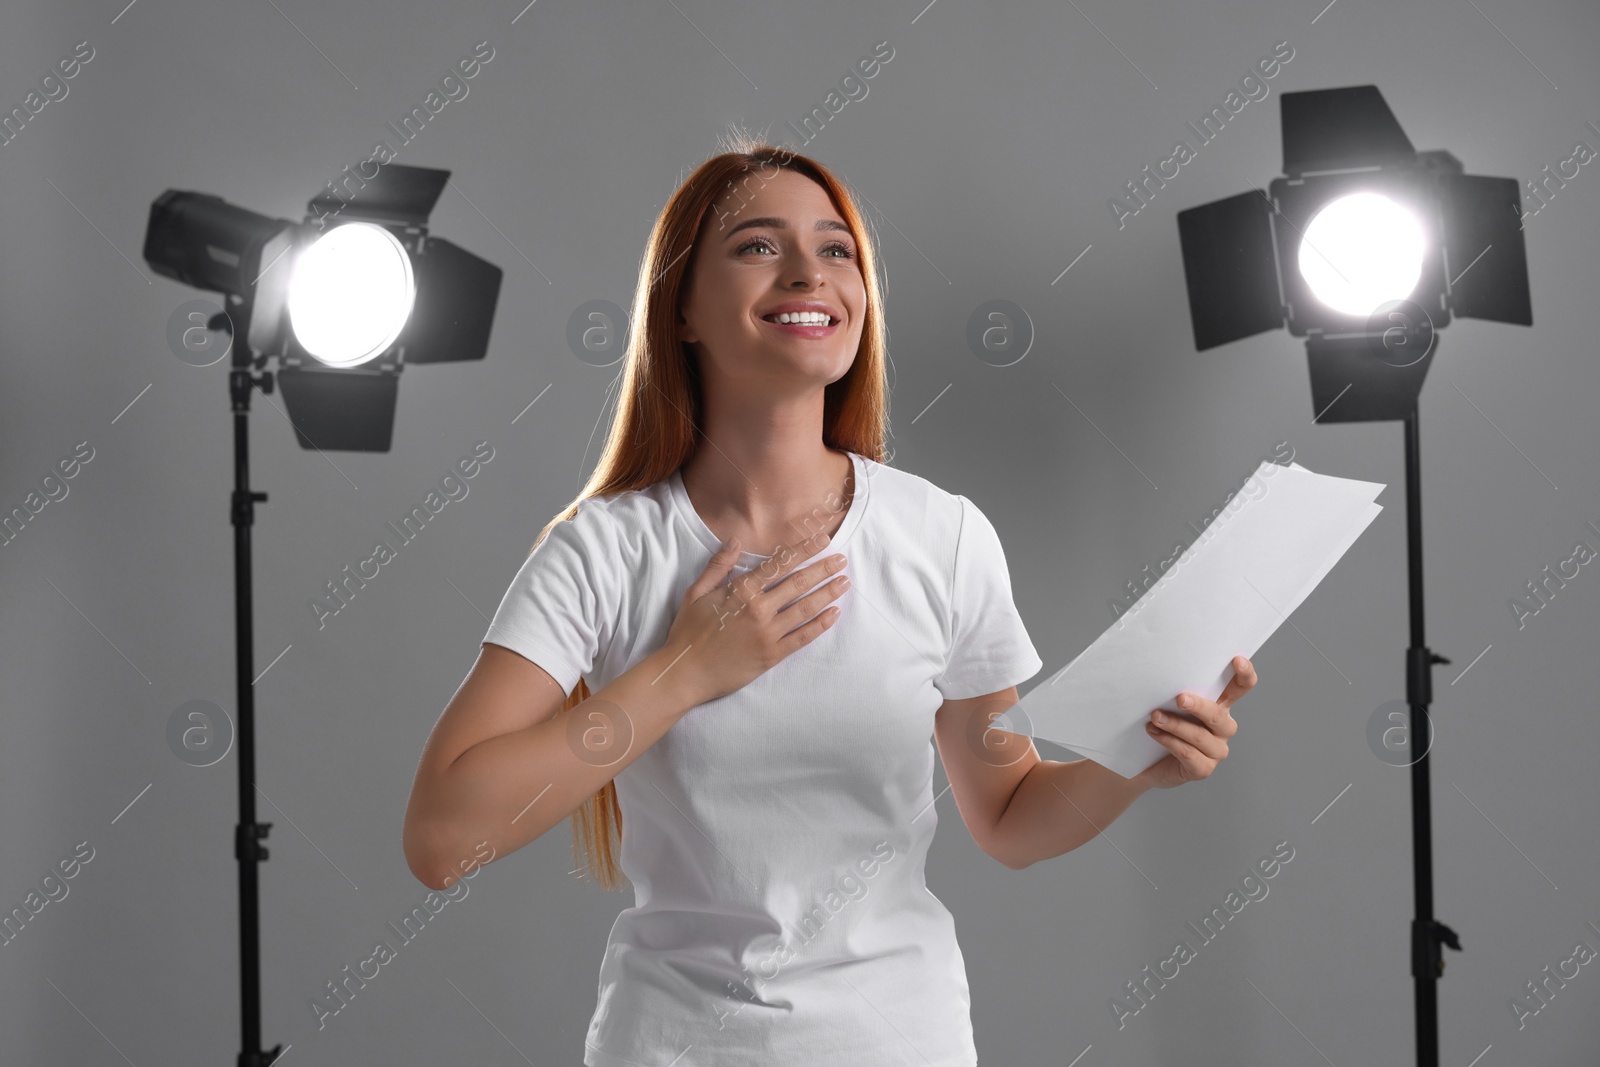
762,242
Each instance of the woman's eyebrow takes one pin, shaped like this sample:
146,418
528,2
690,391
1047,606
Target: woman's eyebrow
773,222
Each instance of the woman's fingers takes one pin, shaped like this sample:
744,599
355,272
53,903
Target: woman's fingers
1244,680
1196,735
716,569
1213,715
1196,764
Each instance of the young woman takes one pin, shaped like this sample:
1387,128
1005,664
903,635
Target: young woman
756,725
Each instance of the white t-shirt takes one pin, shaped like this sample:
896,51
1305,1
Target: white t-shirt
775,837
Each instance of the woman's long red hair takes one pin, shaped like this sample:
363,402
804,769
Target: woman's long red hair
657,423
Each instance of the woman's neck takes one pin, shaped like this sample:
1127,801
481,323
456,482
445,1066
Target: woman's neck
766,496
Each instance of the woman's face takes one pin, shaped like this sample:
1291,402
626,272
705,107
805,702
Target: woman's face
760,248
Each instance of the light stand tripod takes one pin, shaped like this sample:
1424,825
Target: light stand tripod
1427,933
248,835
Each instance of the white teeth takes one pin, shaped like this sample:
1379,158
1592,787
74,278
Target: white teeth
813,318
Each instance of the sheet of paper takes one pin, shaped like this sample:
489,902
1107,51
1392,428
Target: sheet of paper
1224,596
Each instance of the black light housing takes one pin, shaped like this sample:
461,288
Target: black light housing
446,295
1241,254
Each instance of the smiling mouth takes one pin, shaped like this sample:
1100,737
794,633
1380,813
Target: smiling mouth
819,325
814,330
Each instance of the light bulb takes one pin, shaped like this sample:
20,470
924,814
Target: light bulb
1361,251
351,294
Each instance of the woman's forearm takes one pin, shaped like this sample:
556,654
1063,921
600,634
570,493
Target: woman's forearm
1059,806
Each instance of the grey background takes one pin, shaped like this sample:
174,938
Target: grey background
988,147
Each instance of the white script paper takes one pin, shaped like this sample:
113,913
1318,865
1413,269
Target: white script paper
1223,597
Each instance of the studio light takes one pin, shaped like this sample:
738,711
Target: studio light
1367,247
343,305
350,294
344,299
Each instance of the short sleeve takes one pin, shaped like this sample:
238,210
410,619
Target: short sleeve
560,607
989,646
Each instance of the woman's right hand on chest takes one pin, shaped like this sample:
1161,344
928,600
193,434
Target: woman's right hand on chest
728,633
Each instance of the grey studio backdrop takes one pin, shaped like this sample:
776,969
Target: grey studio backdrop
988,147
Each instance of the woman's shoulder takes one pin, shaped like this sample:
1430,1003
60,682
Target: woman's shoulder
910,511
903,490
623,505
626,525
